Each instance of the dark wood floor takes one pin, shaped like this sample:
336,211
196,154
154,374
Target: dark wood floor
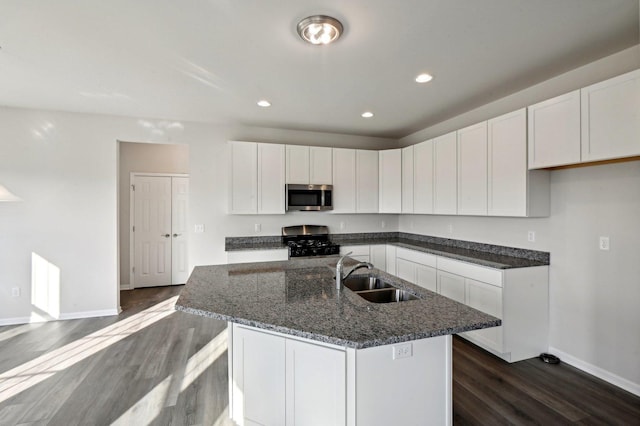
153,365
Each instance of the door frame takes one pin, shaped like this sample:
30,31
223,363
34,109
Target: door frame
132,178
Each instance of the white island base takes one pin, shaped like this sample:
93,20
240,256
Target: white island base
278,379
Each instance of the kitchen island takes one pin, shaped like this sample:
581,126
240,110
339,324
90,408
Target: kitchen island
303,352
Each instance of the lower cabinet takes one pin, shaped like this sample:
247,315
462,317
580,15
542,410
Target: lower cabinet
375,253
451,286
416,267
281,381
246,256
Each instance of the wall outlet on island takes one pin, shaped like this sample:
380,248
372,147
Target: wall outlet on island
402,350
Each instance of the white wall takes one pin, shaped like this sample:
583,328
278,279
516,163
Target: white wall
64,166
594,294
142,157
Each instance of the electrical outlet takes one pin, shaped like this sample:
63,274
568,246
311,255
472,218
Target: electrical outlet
604,243
531,236
342,226
382,224
404,350
199,229
257,227
15,292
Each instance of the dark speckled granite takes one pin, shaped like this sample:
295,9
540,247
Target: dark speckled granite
299,297
493,256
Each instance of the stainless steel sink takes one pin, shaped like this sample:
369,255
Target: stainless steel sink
375,290
387,295
361,283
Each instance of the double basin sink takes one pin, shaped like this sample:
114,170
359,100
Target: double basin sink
375,290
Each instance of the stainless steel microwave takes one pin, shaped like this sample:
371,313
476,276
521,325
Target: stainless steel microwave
309,197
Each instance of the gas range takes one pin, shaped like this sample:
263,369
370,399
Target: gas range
308,240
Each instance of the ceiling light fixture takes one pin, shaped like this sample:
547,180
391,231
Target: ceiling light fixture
264,103
319,29
424,78
367,114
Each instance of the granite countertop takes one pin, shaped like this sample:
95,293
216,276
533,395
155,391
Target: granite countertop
492,256
298,297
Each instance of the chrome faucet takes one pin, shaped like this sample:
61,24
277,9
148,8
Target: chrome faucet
339,270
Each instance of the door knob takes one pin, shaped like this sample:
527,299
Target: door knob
166,235
176,235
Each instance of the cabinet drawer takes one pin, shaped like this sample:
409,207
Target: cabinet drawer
416,256
479,273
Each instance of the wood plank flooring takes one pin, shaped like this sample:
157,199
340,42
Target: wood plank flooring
154,366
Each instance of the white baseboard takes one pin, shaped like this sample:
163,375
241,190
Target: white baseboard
600,373
68,316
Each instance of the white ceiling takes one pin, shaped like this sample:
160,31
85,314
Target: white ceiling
212,60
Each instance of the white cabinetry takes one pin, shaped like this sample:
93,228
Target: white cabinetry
282,381
513,190
611,118
416,267
423,177
256,178
358,252
518,296
407,179
390,181
445,174
554,131
378,256
472,170
366,181
344,180
309,165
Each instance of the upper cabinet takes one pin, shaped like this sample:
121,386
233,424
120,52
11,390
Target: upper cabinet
611,118
423,177
355,181
308,165
366,181
554,131
390,181
256,178
445,174
407,179
472,170
512,189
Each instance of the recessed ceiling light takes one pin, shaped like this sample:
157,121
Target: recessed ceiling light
367,114
264,103
423,78
319,29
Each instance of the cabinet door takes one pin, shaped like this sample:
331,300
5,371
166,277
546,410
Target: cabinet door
378,256
406,270
407,179
344,180
391,259
554,131
259,397
271,196
472,170
320,166
316,385
423,177
366,181
298,164
451,286
243,191
390,181
445,165
488,299
426,277
508,164
611,118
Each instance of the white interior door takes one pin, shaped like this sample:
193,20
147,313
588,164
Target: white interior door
152,231
160,210
179,210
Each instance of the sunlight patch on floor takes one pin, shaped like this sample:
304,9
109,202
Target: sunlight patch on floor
35,371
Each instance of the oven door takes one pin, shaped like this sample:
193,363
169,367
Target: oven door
309,197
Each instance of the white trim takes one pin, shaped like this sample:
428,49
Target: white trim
125,287
132,260
600,373
68,316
